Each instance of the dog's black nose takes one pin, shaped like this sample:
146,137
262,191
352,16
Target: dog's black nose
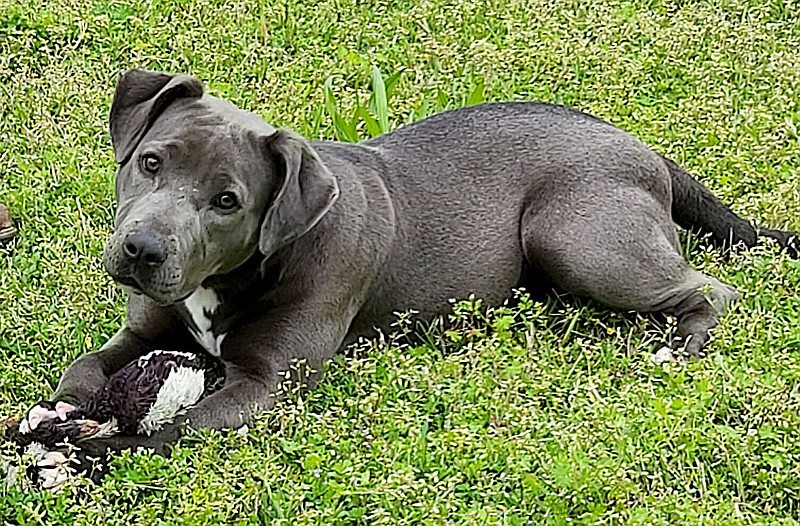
145,247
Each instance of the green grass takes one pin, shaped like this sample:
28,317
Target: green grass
545,414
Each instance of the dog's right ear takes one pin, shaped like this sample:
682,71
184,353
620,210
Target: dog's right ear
306,193
138,100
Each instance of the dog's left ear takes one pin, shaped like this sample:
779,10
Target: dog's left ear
308,190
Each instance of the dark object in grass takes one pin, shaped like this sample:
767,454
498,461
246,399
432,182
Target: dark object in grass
140,398
7,229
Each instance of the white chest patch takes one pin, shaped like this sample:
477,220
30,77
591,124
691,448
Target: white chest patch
202,305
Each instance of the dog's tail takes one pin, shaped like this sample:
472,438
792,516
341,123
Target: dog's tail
695,208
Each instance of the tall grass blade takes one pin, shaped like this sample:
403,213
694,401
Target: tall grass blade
373,128
380,99
477,95
345,131
390,82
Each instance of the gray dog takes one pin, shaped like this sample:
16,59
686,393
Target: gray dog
263,248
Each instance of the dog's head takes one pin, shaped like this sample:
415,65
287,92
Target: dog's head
202,186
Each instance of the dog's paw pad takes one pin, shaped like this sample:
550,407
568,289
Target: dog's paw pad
53,471
63,410
36,416
42,412
663,355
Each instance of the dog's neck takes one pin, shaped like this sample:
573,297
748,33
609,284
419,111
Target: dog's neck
254,277
247,284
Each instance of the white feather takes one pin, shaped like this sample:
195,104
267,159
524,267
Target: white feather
182,389
143,360
107,429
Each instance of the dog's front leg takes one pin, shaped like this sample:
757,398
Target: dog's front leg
283,351
90,371
245,396
147,326
290,345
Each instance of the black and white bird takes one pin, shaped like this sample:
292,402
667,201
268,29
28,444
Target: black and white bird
141,398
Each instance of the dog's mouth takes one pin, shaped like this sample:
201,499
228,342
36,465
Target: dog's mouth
132,285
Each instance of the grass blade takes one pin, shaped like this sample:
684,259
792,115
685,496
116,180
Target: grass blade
345,131
390,83
380,98
477,95
373,128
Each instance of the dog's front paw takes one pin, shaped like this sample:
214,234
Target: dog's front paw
42,412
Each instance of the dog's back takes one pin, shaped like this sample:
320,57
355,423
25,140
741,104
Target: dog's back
461,180
496,196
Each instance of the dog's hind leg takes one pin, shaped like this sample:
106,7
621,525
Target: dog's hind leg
619,246
695,208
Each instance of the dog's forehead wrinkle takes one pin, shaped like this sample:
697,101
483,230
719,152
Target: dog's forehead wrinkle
209,139
221,157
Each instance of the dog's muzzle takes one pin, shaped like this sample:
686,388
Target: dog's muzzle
145,261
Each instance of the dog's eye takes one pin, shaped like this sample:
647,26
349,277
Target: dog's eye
150,163
226,201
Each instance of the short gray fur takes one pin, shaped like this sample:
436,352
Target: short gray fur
331,239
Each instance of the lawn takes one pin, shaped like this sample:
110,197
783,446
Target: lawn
546,413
